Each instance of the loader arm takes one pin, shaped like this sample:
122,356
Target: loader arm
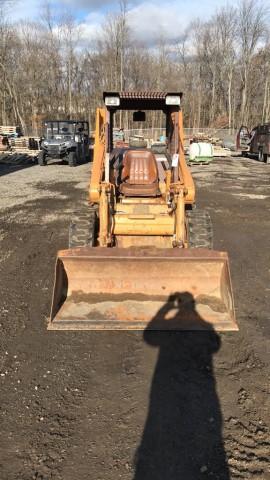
184,171
99,155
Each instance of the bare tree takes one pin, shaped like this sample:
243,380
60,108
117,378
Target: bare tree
222,65
226,20
252,16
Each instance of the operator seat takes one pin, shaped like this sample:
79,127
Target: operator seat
139,175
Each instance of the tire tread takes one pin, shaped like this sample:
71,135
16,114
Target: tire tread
82,229
200,229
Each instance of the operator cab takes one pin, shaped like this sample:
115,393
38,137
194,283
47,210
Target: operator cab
138,165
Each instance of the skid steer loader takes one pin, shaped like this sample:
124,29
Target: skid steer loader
140,255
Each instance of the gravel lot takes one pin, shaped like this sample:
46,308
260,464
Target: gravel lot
127,405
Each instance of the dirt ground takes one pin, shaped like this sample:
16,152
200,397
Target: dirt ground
128,405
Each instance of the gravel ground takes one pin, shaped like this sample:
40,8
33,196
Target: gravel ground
127,405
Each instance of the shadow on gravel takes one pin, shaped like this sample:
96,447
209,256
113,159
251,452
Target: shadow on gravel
62,161
14,163
182,438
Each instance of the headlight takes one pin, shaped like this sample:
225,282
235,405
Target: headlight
112,101
172,100
45,143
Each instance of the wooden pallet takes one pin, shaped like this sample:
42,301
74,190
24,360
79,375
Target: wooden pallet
9,129
25,145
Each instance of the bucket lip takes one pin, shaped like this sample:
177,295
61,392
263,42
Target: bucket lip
100,325
143,253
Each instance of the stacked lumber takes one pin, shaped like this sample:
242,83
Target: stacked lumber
219,151
204,137
9,130
24,145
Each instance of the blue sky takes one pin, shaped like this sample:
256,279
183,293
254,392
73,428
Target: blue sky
149,19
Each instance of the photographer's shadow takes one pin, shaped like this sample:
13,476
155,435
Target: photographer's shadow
182,438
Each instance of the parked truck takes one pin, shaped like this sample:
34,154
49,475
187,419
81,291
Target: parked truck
255,142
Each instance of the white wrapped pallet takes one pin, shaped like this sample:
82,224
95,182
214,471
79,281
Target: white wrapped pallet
201,152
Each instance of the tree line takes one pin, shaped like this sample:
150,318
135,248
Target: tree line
49,70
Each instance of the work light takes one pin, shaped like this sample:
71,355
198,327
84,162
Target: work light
112,101
172,100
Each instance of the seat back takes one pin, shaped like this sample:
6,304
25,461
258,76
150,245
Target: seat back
139,168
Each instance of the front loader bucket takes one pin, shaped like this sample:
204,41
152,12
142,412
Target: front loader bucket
134,289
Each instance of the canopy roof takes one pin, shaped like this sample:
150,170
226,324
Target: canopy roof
149,100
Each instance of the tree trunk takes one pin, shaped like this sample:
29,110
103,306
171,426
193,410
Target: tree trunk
265,100
14,100
230,101
244,99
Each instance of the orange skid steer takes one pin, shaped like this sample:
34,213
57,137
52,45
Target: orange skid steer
141,254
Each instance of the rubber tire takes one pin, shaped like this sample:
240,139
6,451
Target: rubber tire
42,159
200,230
260,155
72,159
82,229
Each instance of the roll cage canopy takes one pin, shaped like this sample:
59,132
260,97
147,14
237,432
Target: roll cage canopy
55,127
142,100
167,102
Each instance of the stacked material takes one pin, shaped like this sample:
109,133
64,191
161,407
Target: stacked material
25,145
221,148
201,137
4,145
219,151
10,130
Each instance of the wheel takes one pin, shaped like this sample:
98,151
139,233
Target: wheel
267,159
200,230
42,159
72,159
260,155
82,229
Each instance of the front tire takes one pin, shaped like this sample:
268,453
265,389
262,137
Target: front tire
42,159
261,155
83,229
200,230
72,159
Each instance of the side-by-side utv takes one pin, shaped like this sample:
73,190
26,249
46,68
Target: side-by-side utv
67,140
